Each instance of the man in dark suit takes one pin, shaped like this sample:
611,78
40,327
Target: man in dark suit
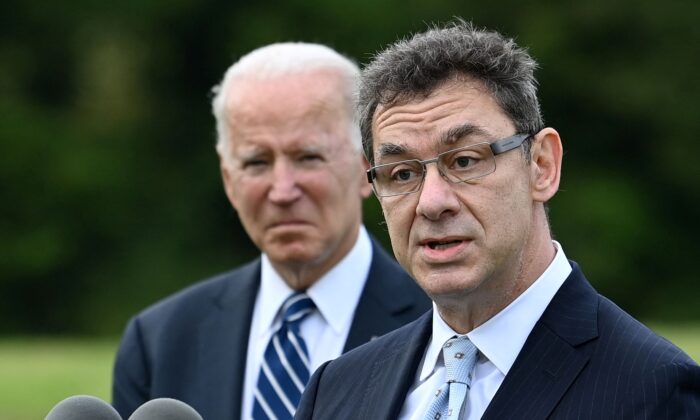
463,166
243,344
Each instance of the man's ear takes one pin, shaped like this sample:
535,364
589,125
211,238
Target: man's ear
365,187
546,153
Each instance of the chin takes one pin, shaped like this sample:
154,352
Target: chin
440,287
294,258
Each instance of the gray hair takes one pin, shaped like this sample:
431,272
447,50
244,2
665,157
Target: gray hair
281,59
413,68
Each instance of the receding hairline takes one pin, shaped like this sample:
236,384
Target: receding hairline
327,82
286,58
289,58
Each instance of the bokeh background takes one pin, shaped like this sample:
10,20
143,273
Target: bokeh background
110,196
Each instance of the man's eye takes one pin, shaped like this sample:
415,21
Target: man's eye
311,158
463,162
254,164
403,174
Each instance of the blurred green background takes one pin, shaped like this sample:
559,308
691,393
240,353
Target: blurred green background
109,184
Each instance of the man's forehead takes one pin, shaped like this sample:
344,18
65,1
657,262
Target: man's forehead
307,85
457,84
460,111
305,145
286,117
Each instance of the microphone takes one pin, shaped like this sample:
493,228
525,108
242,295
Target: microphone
83,407
165,409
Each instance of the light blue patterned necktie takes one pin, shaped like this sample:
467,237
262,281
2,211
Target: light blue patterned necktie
284,371
460,357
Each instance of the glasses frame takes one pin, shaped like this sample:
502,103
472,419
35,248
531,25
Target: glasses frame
498,147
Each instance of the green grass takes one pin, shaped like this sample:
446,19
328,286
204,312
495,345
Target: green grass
37,373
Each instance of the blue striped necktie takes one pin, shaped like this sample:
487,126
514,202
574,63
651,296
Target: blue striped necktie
460,357
285,366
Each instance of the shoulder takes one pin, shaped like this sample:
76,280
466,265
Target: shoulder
634,342
579,314
383,262
411,337
193,302
392,276
656,377
646,374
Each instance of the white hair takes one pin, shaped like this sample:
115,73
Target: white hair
283,59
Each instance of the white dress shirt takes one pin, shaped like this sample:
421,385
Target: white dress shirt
325,331
499,341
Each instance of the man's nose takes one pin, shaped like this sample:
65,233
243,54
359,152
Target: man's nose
437,196
285,186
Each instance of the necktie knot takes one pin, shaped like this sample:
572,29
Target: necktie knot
460,357
297,307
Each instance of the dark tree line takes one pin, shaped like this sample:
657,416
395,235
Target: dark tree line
109,183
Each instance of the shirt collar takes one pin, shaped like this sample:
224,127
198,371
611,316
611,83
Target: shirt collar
441,333
501,338
335,294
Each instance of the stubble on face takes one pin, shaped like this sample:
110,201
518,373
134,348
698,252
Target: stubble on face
462,242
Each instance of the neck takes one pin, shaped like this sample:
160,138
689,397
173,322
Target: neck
300,276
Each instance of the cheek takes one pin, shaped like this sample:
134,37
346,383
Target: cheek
330,199
509,211
326,193
248,195
399,222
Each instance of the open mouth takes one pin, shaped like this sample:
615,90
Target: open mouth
443,244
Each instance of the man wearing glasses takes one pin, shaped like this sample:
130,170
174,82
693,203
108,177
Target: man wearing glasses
463,166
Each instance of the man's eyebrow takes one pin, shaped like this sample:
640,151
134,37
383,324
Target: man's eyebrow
391,149
310,148
250,153
454,134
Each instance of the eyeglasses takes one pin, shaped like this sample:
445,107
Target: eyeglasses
457,165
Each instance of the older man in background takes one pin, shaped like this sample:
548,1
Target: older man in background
242,344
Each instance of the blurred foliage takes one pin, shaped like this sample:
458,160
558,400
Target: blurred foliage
109,182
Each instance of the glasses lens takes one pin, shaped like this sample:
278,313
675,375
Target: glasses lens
467,163
398,178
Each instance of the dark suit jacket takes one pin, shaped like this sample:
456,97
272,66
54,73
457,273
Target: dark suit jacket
192,346
584,359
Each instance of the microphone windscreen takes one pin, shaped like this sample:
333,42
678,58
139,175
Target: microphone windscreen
165,409
83,407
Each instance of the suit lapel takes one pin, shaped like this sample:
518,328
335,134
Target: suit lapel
376,312
392,376
223,342
552,356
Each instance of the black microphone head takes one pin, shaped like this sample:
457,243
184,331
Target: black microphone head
165,409
83,407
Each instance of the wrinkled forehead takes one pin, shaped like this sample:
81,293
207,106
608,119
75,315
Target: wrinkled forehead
293,95
458,81
455,113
